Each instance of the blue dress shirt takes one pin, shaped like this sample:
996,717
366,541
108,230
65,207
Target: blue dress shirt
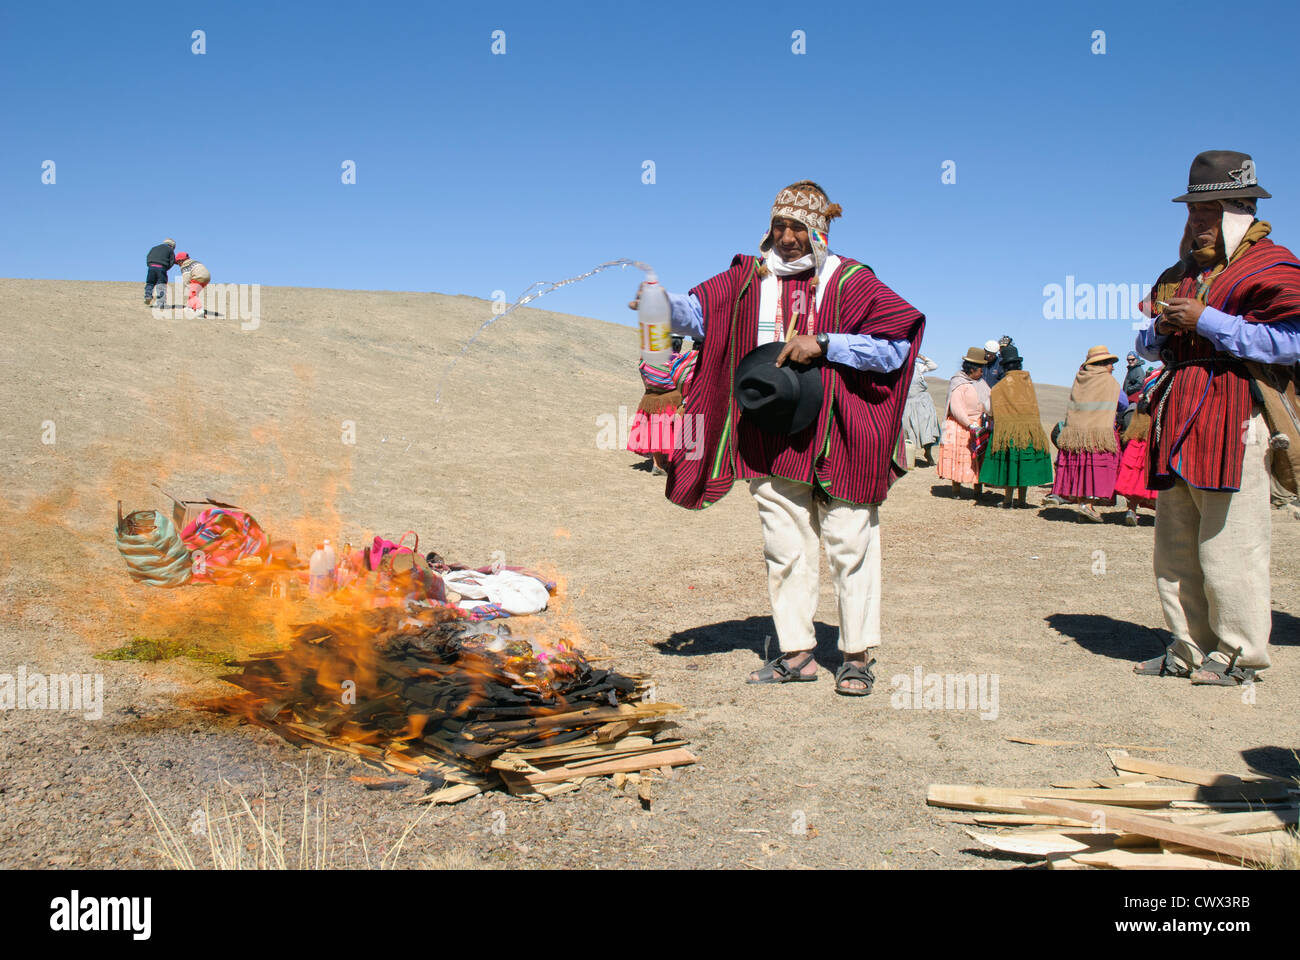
1277,342
856,350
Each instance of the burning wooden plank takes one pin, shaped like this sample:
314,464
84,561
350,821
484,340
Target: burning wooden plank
468,707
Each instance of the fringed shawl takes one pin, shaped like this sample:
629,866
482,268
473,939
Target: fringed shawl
1139,428
1090,414
1016,422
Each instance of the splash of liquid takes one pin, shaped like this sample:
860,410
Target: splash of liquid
539,289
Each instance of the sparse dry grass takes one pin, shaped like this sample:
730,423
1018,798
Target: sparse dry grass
235,836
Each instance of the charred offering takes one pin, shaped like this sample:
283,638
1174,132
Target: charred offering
463,705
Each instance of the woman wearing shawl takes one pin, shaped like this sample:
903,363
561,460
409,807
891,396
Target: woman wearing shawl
1017,456
1088,462
654,428
963,419
920,419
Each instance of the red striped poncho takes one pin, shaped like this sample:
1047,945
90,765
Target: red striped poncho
1200,410
854,450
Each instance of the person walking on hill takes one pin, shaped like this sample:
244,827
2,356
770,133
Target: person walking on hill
195,276
158,260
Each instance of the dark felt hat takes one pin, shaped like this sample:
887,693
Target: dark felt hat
784,399
1221,175
1009,354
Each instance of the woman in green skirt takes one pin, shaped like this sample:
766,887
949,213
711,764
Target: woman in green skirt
1017,457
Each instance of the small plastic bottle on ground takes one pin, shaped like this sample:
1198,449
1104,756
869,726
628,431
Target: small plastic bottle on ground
319,572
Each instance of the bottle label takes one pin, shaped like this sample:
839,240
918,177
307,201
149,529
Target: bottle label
656,337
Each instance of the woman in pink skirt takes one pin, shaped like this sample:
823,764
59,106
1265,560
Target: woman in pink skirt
655,427
964,415
1087,465
1132,481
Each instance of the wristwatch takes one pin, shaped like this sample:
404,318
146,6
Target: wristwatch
824,341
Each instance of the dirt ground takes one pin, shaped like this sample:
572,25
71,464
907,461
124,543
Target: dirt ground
1054,607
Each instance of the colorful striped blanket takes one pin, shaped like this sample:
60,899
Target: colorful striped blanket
223,536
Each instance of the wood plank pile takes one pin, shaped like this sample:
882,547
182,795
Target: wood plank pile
466,706
1150,815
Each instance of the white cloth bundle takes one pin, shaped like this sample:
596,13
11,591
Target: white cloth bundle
516,593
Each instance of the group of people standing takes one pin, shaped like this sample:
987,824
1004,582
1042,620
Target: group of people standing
810,375
992,431
1093,464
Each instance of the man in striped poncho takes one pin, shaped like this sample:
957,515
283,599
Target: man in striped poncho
1228,313
829,477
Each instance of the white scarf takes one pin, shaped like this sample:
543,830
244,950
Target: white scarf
1233,228
769,290
783,268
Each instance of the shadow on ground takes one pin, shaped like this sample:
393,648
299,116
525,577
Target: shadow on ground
944,490
1286,629
1108,637
753,633
1274,761
1014,861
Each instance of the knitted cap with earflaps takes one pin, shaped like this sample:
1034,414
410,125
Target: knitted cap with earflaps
805,202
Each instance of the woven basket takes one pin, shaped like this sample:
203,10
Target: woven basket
152,548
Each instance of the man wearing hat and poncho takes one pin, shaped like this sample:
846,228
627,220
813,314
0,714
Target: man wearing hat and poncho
1227,326
799,390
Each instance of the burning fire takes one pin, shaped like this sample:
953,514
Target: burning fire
433,693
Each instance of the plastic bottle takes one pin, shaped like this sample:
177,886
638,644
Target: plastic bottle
655,316
331,561
319,570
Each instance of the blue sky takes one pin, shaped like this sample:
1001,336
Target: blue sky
478,172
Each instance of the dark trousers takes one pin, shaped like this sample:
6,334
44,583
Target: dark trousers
156,276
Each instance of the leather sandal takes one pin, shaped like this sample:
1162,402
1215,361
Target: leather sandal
781,670
850,670
1161,666
1216,674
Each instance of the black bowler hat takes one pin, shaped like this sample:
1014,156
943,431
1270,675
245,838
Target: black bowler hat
784,399
1221,175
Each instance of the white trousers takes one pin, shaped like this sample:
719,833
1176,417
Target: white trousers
792,525
1212,563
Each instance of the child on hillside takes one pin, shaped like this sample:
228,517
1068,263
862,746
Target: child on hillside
195,276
